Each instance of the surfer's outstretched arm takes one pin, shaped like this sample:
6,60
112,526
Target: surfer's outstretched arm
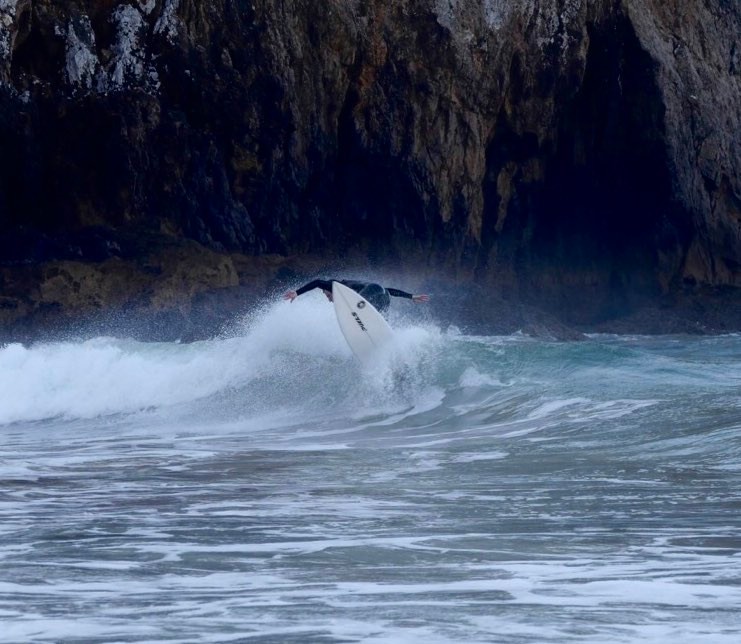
415,298
325,285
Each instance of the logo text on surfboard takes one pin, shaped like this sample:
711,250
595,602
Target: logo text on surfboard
359,321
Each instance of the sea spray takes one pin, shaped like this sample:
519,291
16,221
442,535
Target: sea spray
284,355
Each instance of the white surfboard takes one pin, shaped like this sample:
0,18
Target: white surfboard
364,328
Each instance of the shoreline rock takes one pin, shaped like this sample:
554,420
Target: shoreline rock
183,291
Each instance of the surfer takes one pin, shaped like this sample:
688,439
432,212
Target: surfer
376,294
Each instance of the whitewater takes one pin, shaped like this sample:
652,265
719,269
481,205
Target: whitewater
262,487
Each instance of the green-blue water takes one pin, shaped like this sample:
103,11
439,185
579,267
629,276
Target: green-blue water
261,487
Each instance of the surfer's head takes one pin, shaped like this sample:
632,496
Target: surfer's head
377,296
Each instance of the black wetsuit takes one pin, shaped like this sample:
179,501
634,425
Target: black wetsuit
376,294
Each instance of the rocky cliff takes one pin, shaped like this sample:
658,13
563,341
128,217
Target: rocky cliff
581,153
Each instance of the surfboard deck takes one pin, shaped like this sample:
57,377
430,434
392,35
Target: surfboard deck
365,329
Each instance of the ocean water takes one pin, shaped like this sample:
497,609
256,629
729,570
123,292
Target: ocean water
262,487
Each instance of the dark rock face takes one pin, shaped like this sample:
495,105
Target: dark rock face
584,154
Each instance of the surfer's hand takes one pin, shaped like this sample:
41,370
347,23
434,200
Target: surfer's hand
418,299
290,296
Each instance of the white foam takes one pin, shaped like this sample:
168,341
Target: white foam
105,376
553,406
471,377
296,349
479,456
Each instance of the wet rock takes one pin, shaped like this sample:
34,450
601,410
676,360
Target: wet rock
169,283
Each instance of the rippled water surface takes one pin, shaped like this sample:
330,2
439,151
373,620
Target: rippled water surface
262,487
